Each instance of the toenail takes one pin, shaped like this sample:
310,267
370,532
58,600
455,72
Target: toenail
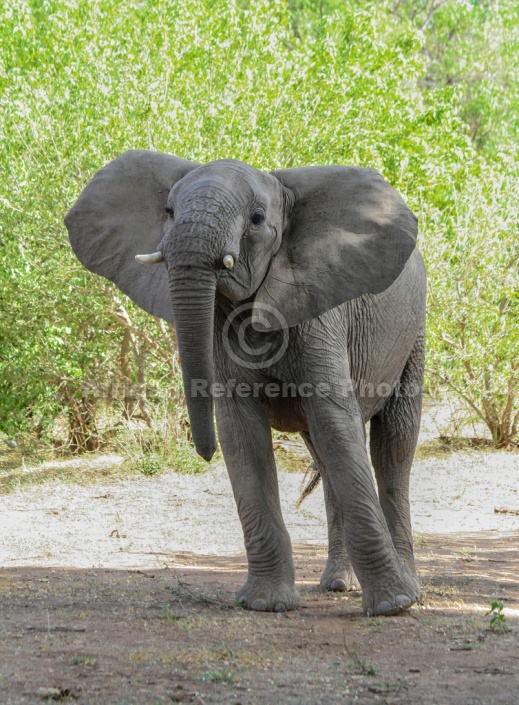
338,584
403,601
259,605
280,607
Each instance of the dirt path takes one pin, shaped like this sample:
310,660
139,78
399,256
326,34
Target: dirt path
171,634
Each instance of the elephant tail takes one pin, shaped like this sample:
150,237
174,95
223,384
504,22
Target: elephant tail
315,479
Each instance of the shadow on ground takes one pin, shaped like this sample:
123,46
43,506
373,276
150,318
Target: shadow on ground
173,634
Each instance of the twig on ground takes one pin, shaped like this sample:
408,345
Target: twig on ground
57,628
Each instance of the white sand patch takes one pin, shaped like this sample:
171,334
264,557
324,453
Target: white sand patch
143,521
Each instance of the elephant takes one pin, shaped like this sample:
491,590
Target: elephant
298,299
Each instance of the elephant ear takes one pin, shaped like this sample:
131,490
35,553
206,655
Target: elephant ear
348,233
121,213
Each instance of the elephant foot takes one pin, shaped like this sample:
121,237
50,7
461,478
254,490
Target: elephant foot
391,598
408,564
266,595
338,577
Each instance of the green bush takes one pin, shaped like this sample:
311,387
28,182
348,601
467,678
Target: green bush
472,252
274,83
161,444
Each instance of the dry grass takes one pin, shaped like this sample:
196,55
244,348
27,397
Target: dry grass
18,471
443,446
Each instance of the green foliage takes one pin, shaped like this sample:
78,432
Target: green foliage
472,252
181,458
498,620
151,449
469,47
475,46
149,464
399,86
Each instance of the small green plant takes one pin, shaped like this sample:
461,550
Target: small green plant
375,623
183,459
224,675
498,620
163,445
149,464
83,660
182,591
362,666
169,615
388,686
466,554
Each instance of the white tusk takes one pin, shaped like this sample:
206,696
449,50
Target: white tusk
228,261
154,258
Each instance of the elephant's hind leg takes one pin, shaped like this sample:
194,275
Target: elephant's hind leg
338,574
393,437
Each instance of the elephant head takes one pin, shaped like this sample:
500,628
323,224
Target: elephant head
300,240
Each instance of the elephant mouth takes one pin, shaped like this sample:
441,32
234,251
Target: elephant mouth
237,285
230,283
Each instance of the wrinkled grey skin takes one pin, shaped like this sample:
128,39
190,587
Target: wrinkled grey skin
333,250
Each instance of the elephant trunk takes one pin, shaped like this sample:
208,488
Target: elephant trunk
193,300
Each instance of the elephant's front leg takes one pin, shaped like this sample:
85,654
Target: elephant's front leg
337,433
246,441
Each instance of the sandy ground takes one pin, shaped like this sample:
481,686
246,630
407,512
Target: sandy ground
127,523
121,592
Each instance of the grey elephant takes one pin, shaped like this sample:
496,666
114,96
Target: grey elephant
298,298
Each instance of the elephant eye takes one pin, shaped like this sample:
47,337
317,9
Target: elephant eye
169,211
257,217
